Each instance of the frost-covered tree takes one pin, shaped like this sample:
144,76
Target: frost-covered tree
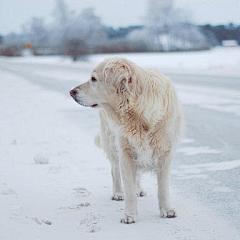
61,14
62,20
76,34
85,32
87,27
169,28
36,32
159,14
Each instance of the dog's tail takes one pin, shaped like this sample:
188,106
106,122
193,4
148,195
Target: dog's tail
97,141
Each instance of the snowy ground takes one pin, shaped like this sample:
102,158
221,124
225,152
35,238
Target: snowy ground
219,61
55,184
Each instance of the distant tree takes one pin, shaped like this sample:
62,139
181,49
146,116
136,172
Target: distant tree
159,15
63,18
11,50
36,32
88,27
61,13
76,49
122,32
12,45
217,34
158,21
86,32
227,32
76,34
209,34
15,39
169,28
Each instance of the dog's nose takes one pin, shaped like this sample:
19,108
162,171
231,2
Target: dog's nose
73,92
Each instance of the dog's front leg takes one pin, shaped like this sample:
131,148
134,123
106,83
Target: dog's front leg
129,170
117,183
163,191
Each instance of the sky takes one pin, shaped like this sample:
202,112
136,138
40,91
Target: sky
116,13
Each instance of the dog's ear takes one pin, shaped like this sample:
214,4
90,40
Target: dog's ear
119,72
125,84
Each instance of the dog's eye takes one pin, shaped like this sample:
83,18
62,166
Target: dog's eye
93,79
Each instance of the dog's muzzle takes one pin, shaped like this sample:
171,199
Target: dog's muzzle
73,93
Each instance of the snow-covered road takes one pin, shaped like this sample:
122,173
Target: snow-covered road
68,196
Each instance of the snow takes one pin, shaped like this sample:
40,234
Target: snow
56,184
197,150
41,159
199,170
222,166
219,99
220,61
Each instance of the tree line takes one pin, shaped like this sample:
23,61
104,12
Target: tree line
216,34
81,33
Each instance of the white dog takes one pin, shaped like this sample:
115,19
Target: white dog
141,126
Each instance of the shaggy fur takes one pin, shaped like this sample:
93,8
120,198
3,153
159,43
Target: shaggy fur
141,126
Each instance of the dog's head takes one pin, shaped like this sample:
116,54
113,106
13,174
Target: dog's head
112,84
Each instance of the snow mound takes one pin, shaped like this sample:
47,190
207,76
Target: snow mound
41,159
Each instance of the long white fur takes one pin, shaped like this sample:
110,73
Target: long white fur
141,126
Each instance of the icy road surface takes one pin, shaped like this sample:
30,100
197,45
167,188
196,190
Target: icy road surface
55,184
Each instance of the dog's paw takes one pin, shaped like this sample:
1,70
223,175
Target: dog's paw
118,197
141,193
128,220
167,213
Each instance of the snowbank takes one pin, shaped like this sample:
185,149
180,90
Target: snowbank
218,61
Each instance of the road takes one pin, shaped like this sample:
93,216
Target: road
207,165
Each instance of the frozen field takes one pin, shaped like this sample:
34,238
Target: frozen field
55,184
219,61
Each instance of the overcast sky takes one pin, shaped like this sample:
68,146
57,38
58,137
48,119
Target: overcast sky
14,13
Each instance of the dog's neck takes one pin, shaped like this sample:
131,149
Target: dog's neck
134,125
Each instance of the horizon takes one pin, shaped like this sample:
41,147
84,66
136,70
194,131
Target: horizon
142,25
111,13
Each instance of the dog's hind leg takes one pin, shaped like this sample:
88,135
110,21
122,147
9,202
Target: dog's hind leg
140,190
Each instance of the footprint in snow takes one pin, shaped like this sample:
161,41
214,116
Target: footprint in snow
81,192
41,221
77,207
90,224
9,191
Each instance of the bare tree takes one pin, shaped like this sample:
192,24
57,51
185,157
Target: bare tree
61,13
62,21
85,33
87,27
37,32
